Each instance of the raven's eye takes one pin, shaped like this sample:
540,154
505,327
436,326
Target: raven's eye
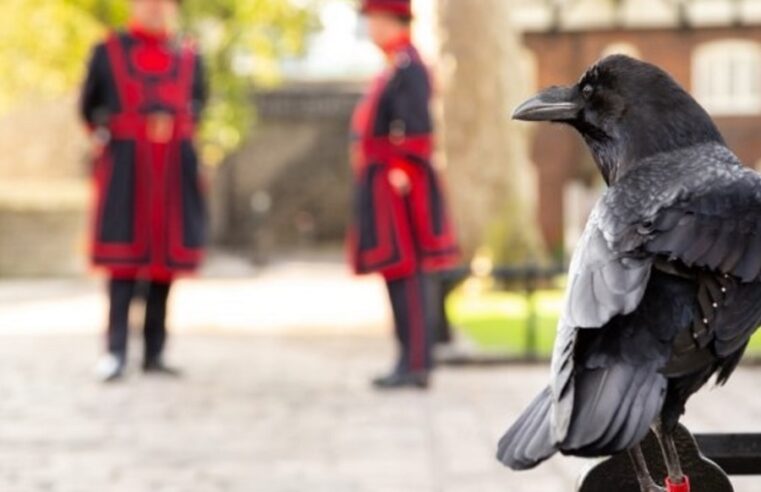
587,91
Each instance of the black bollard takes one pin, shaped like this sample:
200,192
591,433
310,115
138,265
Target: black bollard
617,473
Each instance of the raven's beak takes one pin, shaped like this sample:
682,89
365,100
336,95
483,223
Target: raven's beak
553,104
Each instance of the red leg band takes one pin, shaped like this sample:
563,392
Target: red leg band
678,487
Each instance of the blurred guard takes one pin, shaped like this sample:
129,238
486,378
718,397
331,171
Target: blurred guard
400,227
142,99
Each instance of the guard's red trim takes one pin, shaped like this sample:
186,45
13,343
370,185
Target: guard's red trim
417,324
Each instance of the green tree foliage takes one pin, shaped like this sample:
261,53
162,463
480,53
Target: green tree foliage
44,45
242,41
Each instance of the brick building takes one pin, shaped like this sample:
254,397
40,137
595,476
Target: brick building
712,47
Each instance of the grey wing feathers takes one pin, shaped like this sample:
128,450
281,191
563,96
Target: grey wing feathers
719,228
736,319
616,407
528,441
602,284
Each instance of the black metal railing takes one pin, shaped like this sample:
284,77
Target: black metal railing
736,454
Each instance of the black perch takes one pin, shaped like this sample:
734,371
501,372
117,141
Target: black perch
705,475
707,459
736,454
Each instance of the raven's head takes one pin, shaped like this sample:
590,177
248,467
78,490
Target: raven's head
626,110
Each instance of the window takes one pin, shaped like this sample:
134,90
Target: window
726,77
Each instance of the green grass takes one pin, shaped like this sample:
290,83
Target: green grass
497,321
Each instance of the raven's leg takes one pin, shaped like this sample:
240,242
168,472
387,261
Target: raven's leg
646,482
670,454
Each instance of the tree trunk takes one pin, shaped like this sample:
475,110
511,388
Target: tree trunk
483,75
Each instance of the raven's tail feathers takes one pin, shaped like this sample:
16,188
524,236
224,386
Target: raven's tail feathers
529,441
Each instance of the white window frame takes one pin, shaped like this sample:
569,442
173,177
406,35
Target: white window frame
726,77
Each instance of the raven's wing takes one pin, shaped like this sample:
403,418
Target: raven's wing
666,207
716,231
602,284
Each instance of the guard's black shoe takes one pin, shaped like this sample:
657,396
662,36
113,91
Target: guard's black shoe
398,380
157,367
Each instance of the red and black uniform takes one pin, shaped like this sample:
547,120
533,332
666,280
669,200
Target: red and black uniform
403,236
145,92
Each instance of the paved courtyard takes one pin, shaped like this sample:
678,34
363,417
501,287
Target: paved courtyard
270,402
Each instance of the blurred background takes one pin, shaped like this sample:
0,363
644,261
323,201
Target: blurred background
277,337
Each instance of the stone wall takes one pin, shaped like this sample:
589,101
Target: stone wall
43,142
288,188
44,190
42,229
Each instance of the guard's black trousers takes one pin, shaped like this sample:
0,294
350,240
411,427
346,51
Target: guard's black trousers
414,320
121,293
439,291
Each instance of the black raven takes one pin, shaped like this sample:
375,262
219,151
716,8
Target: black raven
664,289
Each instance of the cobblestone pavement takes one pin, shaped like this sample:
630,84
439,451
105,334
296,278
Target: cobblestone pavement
271,414
289,297
275,399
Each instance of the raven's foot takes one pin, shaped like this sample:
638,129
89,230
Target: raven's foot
676,481
646,482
